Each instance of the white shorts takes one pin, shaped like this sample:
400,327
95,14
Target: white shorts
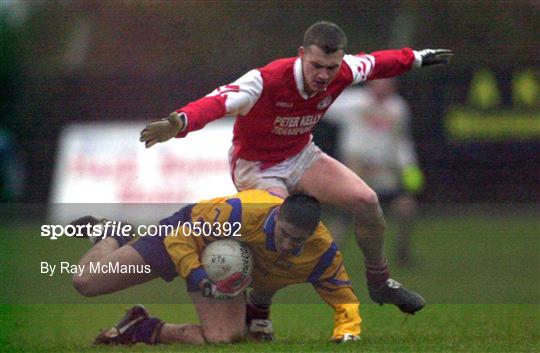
248,174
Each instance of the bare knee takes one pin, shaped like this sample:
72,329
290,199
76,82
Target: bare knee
195,334
367,211
84,285
364,204
183,333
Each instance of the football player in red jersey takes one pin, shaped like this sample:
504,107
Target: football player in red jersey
277,106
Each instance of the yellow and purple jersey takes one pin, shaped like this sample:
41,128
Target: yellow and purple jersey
249,217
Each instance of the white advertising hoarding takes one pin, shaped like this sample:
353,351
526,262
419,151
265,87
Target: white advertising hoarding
104,163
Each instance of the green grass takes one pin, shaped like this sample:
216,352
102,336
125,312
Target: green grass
300,328
479,273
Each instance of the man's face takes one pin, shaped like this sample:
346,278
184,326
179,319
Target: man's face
288,237
319,68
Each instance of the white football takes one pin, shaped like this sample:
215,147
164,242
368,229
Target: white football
223,258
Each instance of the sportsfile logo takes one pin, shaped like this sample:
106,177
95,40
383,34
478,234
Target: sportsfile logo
121,229
100,230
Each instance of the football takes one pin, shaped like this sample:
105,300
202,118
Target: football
223,258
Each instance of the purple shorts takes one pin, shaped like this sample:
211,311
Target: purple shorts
153,250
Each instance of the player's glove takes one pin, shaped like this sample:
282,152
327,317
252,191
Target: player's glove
429,57
163,130
225,289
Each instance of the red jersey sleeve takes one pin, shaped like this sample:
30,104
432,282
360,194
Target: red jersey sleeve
390,63
202,111
236,98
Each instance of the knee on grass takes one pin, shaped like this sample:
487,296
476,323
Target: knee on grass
84,285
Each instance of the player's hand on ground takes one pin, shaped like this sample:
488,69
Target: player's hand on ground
427,57
347,338
228,288
162,130
261,330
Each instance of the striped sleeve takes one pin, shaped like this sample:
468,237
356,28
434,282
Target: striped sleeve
326,262
242,94
336,291
361,66
232,99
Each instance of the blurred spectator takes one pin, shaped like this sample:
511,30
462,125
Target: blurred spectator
376,144
11,169
12,16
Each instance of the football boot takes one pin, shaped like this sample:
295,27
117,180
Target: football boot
392,292
122,332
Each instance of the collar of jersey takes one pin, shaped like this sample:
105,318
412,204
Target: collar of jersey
299,78
269,226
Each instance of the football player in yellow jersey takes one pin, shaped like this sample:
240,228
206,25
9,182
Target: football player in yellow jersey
289,245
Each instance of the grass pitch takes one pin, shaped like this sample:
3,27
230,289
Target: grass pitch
299,328
479,273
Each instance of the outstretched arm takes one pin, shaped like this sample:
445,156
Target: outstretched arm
391,63
236,98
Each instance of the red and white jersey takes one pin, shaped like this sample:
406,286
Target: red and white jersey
275,115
